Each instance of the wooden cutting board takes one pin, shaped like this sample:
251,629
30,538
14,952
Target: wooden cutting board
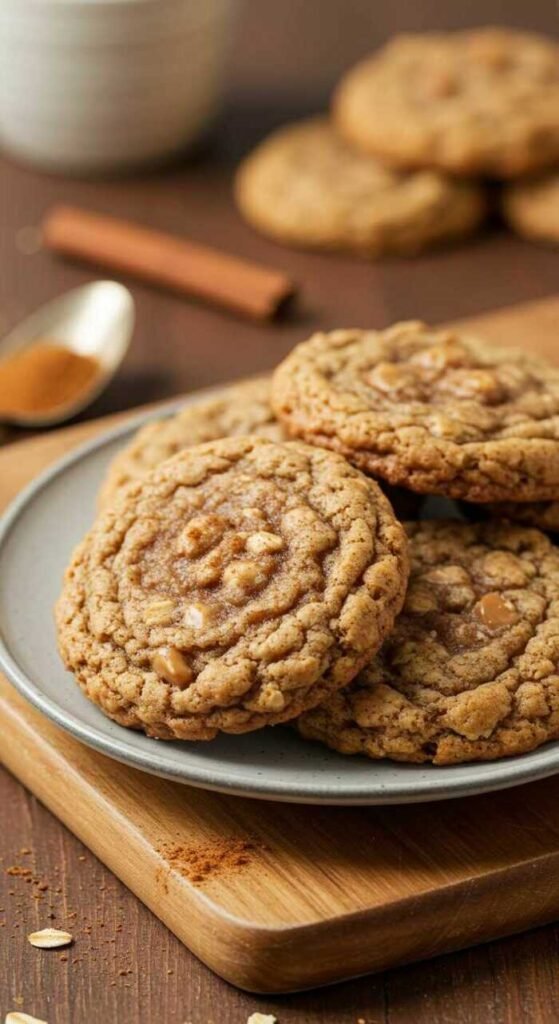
276,897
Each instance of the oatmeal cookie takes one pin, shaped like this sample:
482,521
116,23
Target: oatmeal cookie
240,583
238,409
477,102
304,186
532,207
542,514
471,670
428,409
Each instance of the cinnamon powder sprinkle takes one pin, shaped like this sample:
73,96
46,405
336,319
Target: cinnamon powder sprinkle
208,860
42,377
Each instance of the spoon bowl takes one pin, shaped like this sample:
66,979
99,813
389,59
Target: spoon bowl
94,320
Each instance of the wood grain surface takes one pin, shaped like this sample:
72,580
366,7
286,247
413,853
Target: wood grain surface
283,64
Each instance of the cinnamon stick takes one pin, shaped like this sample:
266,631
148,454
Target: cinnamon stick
183,266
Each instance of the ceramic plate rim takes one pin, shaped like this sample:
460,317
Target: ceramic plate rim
483,777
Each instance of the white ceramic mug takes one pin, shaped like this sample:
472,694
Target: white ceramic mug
99,85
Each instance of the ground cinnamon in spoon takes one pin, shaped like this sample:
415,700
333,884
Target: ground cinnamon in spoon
43,377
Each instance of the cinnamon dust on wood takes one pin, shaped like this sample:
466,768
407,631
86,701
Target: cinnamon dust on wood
208,860
42,377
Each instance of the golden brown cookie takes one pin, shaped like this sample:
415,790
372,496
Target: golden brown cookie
428,409
238,409
477,102
532,207
471,670
240,583
305,187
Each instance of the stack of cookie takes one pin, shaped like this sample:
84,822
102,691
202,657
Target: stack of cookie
414,131
235,579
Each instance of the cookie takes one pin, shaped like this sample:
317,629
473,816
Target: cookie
239,409
482,102
432,410
238,584
471,670
542,514
532,208
304,186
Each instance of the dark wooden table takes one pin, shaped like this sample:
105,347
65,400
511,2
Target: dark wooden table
135,970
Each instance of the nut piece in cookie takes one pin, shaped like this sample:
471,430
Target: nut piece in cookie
483,102
432,410
238,584
239,409
305,187
471,670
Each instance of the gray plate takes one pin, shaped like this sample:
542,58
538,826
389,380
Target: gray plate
37,535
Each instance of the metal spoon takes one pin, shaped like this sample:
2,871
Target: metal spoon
94,320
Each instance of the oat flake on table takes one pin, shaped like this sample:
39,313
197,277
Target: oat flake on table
50,938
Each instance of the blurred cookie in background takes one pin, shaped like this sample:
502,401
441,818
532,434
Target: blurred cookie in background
305,187
482,102
531,208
